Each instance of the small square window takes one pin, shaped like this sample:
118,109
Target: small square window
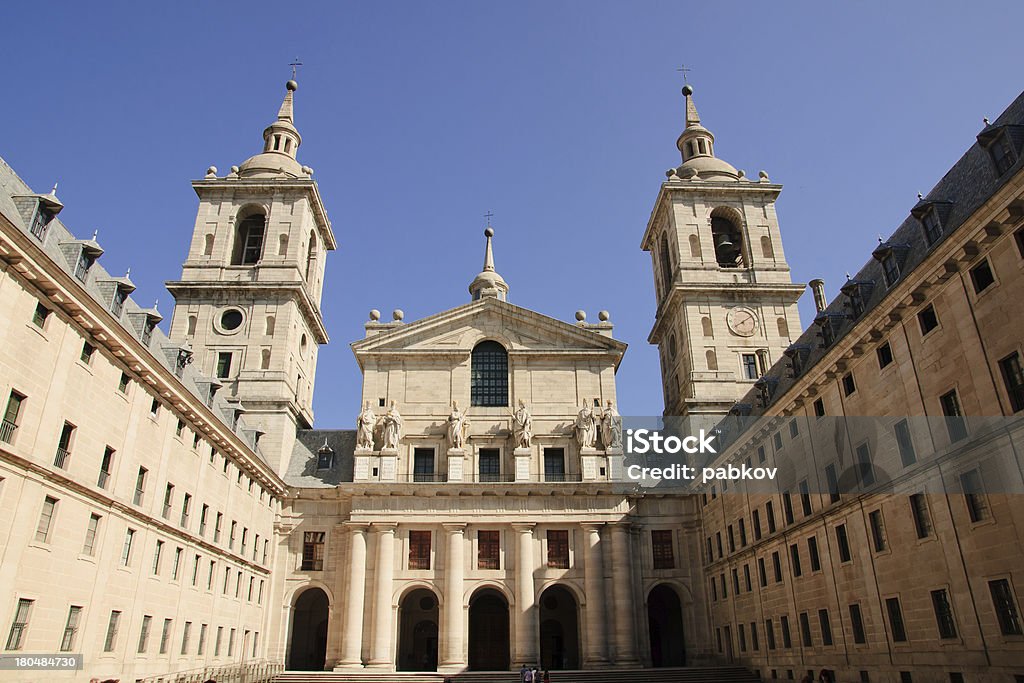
819,408
87,352
40,315
982,277
154,408
848,384
122,384
928,320
884,353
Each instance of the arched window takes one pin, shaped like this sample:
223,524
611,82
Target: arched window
311,256
766,247
712,359
694,246
489,375
705,324
249,240
270,326
265,359
727,238
282,244
191,325
208,245
783,328
666,264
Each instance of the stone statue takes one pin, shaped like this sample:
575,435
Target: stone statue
611,427
522,426
457,427
586,427
365,424
392,423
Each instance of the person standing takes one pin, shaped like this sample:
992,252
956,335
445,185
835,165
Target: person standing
528,676
547,676
522,674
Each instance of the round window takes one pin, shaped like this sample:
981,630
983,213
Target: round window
303,344
231,319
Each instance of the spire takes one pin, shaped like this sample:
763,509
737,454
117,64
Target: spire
488,283
281,142
286,112
696,144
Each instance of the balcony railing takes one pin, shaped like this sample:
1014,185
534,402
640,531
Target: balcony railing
7,429
62,458
254,672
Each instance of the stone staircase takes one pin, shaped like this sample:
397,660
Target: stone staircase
725,674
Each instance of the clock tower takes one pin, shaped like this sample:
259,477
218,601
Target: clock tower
727,307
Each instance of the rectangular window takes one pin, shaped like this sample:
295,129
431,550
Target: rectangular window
209,575
826,627
1013,378
490,464
750,366
554,464
743,533
742,631
110,642
732,539
721,582
819,408
833,483
231,642
419,549
67,641
805,498
892,607
558,549
746,578
812,550
884,354
974,495
157,556
195,569
126,551
927,319
762,574
794,559
761,454
735,582
877,530
312,550
982,277
865,470
67,435
140,486
769,633
932,226
16,637
777,566
245,540
217,641
87,352
843,542
89,546
186,506
147,330
45,519
204,515
664,554
849,386
805,629
922,522
943,614
718,542
40,221
714,589
769,509
106,467
218,523
185,636
423,464
787,506
955,424
165,636
787,641
755,521
40,315
1019,238
777,440
168,500
223,364
1005,606
890,269
201,646
122,384
231,535
120,296
10,420
906,444
177,563
857,623
488,549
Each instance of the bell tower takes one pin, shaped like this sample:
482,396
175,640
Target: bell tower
248,301
726,302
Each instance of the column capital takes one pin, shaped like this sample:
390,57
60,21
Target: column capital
384,527
454,527
593,526
524,527
356,527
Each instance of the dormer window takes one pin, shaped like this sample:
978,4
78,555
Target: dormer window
891,257
891,269
828,327
147,331
797,355
932,226
120,296
40,222
999,143
857,293
85,261
325,457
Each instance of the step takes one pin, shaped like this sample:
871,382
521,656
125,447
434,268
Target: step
609,675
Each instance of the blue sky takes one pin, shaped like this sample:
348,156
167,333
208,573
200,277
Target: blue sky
560,117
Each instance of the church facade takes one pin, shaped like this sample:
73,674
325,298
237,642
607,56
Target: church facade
169,505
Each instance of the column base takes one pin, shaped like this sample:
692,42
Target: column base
627,663
451,667
380,665
596,662
349,666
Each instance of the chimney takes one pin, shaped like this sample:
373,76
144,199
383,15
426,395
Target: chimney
818,289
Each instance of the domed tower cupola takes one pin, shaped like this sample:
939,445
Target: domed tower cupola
281,142
488,283
697,145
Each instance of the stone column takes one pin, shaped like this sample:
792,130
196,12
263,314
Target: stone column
525,651
352,647
454,626
380,653
622,597
593,583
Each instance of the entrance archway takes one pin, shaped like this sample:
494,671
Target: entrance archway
665,623
417,631
308,648
559,629
488,631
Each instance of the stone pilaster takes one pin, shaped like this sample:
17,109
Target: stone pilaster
622,597
593,581
352,648
380,653
454,626
525,651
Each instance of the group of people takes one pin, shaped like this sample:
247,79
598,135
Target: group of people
528,675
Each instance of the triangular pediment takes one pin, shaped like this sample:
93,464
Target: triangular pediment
460,329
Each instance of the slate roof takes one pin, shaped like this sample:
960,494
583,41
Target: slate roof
961,192
302,470
62,247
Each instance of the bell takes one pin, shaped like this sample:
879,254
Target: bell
723,243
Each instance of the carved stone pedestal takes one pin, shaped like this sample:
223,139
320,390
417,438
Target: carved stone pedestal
522,458
456,464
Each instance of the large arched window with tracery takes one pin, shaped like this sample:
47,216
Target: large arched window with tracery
489,375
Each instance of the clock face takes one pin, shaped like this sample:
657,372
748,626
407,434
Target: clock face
742,321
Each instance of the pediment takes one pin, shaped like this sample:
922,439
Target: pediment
460,329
